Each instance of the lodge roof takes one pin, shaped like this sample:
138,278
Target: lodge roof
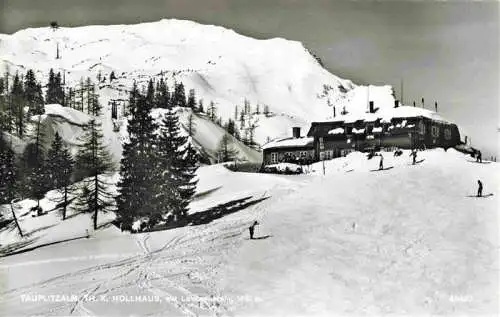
289,142
384,115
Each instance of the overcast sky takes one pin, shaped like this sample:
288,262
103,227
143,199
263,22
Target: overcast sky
444,51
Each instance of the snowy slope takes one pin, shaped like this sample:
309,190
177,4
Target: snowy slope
69,124
218,63
406,241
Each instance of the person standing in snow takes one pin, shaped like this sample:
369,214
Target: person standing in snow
414,155
480,188
381,164
252,228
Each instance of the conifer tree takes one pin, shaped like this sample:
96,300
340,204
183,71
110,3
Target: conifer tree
33,94
200,106
18,102
5,118
179,99
212,111
191,125
55,92
93,158
178,160
33,171
50,96
138,172
162,95
112,76
95,106
59,167
191,102
225,151
150,95
8,171
230,127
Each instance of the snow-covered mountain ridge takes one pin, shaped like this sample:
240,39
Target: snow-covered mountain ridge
220,64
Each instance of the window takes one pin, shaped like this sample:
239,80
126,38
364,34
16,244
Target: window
274,158
421,127
447,134
435,131
329,155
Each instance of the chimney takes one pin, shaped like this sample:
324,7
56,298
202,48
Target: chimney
372,110
436,106
296,132
396,103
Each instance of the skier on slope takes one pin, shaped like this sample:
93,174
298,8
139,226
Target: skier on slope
381,164
414,156
252,228
480,188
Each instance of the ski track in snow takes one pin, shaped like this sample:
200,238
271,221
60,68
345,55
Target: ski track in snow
154,272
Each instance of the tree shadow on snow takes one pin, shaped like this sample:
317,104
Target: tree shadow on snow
12,248
211,214
262,237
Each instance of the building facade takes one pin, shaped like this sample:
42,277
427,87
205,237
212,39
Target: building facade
296,149
399,127
406,129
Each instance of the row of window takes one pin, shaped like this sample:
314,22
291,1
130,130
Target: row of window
301,154
435,132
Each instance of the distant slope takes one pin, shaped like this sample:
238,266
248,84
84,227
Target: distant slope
218,63
69,124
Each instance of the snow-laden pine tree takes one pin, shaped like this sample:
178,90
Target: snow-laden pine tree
94,159
7,171
137,192
59,167
178,164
